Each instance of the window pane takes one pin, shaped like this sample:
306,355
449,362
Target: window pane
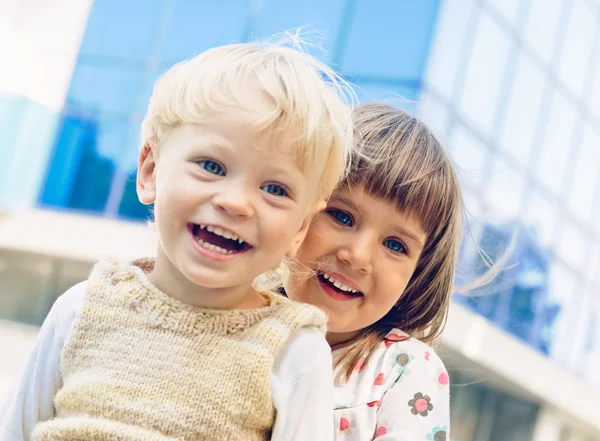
541,29
594,100
586,179
508,9
451,33
322,17
506,191
576,52
469,155
541,216
197,25
485,71
563,287
390,38
555,148
572,246
435,113
121,29
375,91
523,110
105,88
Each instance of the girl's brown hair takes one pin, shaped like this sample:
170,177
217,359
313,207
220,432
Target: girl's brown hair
399,159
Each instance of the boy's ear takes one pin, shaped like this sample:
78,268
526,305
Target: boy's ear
145,184
301,234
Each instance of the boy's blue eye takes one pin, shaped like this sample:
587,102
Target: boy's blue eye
395,246
275,190
341,217
212,167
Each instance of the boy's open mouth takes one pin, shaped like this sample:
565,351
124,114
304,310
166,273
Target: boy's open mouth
338,286
218,239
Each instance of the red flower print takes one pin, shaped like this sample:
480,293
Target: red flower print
420,404
444,379
427,355
359,365
379,380
393,338
344,424
374,403
382,429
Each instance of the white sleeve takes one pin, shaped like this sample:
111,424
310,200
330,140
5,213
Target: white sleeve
32,399
302,384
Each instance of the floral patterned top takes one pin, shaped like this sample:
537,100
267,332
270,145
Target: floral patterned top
401,393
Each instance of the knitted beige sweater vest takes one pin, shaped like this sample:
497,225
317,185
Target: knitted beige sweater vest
139,365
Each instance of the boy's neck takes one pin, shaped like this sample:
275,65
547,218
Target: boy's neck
170,281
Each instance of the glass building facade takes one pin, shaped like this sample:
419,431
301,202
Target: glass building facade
514,89
96,148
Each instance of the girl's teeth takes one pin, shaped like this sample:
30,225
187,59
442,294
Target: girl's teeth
339,285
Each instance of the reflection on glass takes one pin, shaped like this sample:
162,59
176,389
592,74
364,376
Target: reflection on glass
554,151
517,300
508,9
540,30
485,72
470,155
576,52
585,188
506,191
523,110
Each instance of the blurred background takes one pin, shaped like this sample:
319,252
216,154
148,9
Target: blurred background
512,86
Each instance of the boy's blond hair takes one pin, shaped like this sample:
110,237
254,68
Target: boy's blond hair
309,102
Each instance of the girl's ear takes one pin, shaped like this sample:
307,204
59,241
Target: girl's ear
145,186
301,234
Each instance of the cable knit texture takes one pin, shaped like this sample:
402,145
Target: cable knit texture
139,365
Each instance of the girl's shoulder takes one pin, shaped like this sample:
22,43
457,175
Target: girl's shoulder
398,359
397,342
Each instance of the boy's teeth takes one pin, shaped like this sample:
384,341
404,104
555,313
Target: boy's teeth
221,232
210,246
339,285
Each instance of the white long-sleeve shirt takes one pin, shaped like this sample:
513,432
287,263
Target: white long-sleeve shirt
301,380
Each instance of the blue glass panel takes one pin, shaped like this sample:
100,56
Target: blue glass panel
106,88
121,29
518,300
376,91
199,25
27,135
78,177
323,17
86,156
130,205
390,37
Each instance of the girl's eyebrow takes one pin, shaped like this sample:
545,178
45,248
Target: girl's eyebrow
410,235
346,201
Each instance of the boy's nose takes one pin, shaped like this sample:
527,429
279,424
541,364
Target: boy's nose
235,202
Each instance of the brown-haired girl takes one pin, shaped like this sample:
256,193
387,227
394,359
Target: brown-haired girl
381,260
